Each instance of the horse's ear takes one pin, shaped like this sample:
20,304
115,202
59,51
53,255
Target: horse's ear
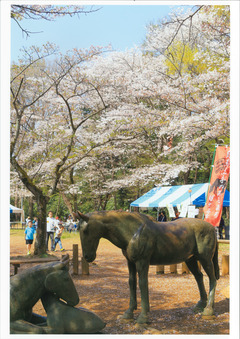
65,260
80,215
62,264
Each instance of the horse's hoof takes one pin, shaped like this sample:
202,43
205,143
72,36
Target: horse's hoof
208,317
140,326
199,308
142,320
126,316
208,313
124,320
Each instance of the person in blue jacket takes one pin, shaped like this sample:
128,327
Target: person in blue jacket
29,236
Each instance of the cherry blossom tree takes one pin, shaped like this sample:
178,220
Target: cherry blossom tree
50,105
100,123
45,12
198,87
177,91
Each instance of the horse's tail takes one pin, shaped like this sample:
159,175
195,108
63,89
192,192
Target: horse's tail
215,262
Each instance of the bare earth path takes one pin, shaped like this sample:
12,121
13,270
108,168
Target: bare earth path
105,292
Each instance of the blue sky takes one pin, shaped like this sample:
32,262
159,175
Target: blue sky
123,26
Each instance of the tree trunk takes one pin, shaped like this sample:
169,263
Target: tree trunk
67,202
75,204
40,243
115,200
105,201
41,199
75,207
30,209
186,176
16,201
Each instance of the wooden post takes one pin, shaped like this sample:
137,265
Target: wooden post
16,268
160,269
85,267
173,268
75,258
185,269
225,264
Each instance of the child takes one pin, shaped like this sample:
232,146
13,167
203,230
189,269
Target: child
58,235
51,224
29,231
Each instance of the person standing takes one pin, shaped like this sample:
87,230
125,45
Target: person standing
58,235
221,227
162,217
69,223
27,220
177,214
35,222
51,224
57,220
29,236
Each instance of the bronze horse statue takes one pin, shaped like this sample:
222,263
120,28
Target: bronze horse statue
28,287
52,284
146,242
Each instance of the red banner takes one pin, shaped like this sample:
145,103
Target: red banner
218,183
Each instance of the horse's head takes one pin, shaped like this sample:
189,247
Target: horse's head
60,283
90,234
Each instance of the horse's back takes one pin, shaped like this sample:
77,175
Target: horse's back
192,233
172,242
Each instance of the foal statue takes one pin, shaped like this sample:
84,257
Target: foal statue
146,242
49,282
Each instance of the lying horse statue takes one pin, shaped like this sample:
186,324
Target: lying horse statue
146,242
28,287
48,282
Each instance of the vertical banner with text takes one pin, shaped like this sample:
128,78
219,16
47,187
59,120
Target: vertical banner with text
218,183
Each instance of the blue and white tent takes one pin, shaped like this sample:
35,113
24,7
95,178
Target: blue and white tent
176,195
14,209
200,201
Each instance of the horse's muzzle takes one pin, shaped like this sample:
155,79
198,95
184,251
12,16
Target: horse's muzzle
89,258
73,302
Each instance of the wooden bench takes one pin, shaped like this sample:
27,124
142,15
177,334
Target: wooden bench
75,262
17,262
223,241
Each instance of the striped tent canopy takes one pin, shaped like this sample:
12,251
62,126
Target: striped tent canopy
14,209
175,195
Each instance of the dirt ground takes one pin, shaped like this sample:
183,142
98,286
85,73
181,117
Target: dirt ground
105,292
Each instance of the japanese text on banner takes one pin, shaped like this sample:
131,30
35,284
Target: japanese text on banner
218,184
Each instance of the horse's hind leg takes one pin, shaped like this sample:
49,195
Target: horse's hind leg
209,269
193,267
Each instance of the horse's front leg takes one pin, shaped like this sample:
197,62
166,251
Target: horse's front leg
142,269
133,291
24,327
